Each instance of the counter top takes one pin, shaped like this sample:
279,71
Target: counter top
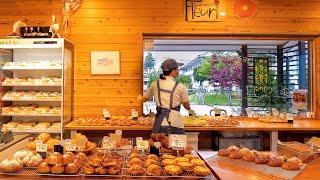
234,172
246,125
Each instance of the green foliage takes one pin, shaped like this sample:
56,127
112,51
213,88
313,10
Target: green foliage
202,72
149,61
184,80
152,77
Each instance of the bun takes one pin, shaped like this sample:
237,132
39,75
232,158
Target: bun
101,170
44,137
11,165
201,171
71,169
182,159
223,152
154,170
44,168
21,154
136,170
262,159
32,160
114,170
173,170
88,170
136,161
292,164
197,162
166,162
55,158
68,158
249,156
186,166
276,162
57,169
235,154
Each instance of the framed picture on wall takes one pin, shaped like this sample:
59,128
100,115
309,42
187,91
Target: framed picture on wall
105,62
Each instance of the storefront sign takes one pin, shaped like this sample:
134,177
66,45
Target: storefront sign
205,10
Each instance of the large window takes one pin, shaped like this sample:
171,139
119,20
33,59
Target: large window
217,71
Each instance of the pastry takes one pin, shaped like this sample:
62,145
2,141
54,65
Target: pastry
32,145
82,157
152,156
154,170
168,156
55,158
88,170
182,159
135,155
57,169
223,152
173,170
235,154
262,158
292,164
71,168
151,161
44,137
136,170
134,151
276,161
249,156
32,160
100,170
11,165
198,162
21,154
136,161
166,162
244,150
186,166
201,171
114,170
190,156
67,158
44,168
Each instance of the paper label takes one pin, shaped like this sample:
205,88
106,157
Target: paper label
177,141
157,145
142,144
114,137
119,132
134,114
106,113
70,147
41,147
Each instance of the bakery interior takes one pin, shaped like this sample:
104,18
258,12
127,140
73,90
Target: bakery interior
71,72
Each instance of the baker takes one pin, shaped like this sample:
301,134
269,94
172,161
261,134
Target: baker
169,96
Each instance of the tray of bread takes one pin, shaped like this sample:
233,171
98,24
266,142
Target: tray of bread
220,121
140,164
263,162
43,81
273,119
297,149
31,95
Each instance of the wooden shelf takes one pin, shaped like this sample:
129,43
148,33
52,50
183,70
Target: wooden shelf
30,68
39,100
38,85
33,115
247,125
37,131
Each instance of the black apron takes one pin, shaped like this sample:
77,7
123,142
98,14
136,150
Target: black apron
164,113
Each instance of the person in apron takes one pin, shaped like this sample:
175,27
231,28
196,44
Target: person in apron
169,96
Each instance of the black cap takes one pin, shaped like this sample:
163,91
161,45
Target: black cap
170,64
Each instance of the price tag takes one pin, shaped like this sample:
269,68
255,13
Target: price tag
70,147
157,145
142,144
40,147
106,113
118,132
134,114
177,141
114,137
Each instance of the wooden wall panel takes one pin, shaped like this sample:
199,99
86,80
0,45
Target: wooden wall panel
119,25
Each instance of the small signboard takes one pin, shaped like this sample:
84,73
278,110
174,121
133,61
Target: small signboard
205,10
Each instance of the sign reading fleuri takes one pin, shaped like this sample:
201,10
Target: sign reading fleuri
205,10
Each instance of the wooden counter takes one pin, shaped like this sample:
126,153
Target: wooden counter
246,125
234,172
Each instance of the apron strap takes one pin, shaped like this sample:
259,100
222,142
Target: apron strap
159,89
171,94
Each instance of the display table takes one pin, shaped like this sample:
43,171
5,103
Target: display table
247,124
233,172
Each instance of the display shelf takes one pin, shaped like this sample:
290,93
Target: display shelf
30,68
32,115
32,85
38,100
36,131
33,64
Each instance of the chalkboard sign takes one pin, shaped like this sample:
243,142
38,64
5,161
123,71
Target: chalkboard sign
205,10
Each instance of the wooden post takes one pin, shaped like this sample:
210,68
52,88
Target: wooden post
244,78
279,68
